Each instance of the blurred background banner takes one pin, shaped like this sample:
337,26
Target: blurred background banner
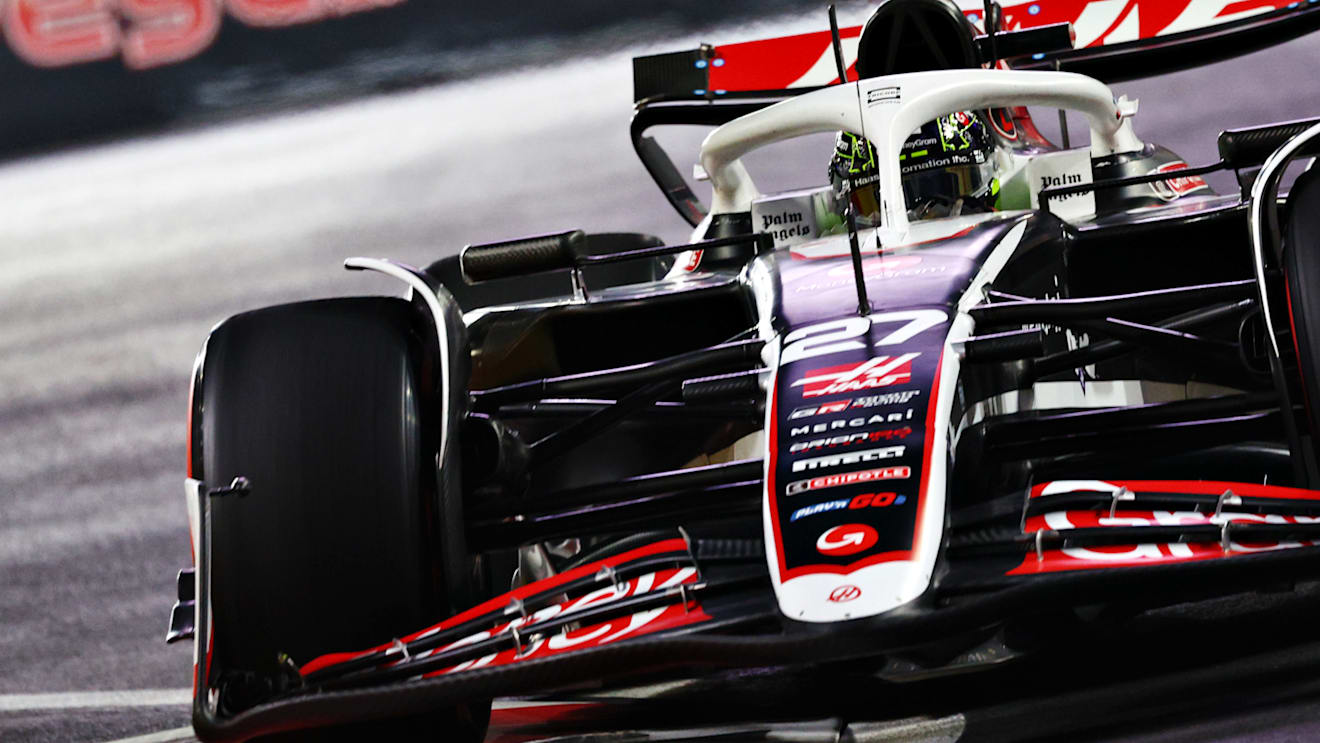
79,69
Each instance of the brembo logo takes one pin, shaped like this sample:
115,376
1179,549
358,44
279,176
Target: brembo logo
880,371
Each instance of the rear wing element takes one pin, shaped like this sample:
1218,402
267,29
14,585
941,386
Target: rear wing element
793,63
1119,41
801,61
1115,40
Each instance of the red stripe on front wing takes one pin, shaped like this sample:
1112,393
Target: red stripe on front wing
500,602
1204,487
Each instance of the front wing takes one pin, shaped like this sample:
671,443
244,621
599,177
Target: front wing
683,604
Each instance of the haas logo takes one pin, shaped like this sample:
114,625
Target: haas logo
844,594
847,539
881,371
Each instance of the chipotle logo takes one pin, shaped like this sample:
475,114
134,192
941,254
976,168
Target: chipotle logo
1171,188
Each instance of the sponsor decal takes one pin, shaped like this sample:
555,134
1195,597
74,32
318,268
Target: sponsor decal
878,371
888,94
147,33
807,60
829,407
857,457
693,261
538,645
1002,121
1120,555
1097,22
1199,487
844,594
1174,187
870,401
785,225
846,539
1061,170
865,500
877,500
848,439
833,247
873,267
886,399
848,478
1060,181
827,506
790,217
904,273
844,423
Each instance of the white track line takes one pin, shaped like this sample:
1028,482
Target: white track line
164,736
87,699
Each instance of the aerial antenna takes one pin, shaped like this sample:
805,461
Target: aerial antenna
863,303
991,25
838,46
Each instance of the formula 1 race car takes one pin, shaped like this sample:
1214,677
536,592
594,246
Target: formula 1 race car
977,398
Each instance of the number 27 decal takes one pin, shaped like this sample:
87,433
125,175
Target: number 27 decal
845,334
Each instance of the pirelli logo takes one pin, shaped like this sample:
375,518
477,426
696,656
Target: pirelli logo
857,457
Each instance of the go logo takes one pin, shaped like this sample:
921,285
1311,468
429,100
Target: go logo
846,539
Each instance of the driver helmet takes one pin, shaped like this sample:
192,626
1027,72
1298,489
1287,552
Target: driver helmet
947,166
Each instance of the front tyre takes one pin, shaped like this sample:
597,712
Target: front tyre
330,409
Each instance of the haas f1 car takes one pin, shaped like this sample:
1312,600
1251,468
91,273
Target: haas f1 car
976,379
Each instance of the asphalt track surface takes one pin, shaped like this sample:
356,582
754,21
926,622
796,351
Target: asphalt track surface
115,260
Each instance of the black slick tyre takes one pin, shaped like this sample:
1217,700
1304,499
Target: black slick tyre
330,410
1301,267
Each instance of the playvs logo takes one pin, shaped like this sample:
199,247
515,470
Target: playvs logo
880,371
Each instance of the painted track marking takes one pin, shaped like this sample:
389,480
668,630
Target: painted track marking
92,699
184,733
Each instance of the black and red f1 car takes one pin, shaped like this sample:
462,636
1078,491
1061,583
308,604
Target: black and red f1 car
803,439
